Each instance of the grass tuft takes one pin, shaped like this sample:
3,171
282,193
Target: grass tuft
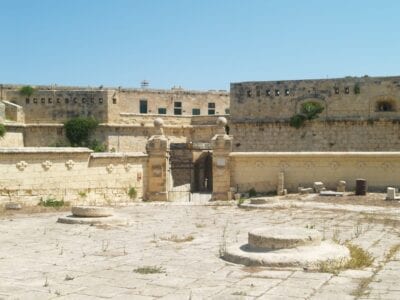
149,270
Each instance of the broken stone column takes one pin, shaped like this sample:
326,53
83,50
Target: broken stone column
341,187
158,178
281,185
221,144
319,186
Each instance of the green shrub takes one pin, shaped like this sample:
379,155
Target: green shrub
78,130
297,121
309,111
2,130
252,192
96,146
357,89
26,90
132,193
51,202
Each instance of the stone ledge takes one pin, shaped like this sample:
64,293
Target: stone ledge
13,150
315,154
117,154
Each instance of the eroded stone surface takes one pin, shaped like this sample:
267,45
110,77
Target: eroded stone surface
274,237
91,211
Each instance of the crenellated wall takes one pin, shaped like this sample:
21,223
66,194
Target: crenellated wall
260,170
73,174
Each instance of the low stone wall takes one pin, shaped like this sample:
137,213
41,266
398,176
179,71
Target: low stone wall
260,170
14,136
72,174
14,112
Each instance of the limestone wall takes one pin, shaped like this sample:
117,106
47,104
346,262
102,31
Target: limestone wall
55,105
367,135
72,174
260,170
14,137
342,98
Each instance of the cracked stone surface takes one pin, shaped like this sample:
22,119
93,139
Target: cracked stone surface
43,259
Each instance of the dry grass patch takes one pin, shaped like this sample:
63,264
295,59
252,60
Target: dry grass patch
149,270
178,239
359,258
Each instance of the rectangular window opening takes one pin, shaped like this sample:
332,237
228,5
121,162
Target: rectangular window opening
143,106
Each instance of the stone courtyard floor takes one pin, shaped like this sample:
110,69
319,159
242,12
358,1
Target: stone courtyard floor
42,259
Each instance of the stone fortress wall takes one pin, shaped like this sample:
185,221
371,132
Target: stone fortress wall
360,114
36,121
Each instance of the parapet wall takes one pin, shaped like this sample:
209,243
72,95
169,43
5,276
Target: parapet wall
342,98
260,170
351,135
71,174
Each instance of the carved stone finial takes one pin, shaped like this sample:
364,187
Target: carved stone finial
221,123
159,124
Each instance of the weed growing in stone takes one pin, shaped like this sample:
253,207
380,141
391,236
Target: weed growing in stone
51,202
178,239
149,270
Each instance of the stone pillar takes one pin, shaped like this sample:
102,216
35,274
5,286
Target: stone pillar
221,144
158,178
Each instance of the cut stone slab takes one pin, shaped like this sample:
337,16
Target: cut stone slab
305,256
302,190
12,206
91,211
272,238
341,187
258,201
391,194
331,193
319,186
112,220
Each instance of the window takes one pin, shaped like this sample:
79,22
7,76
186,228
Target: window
177,108
143,106
114,100
27,100
101,100
336,90
268,92
211,108
347,90
66,100
162,111
43,100
196,111
249,93
227,111
277,92
287,92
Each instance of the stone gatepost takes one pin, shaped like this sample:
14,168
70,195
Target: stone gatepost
221,144
158,178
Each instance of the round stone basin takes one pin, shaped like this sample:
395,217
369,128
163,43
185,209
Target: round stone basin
91,211
272,238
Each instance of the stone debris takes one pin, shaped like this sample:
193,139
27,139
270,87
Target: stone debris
331,193
319,186
12,206
341,187
303,191
391,194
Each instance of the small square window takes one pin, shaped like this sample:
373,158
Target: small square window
114,100
101,100
277,92
66,100
162,111
58,100
196,111
50,100
34,100
83,100
347,90
287,92
249,93
43,100
336,90
27,100
75,100
227,111
211,105
268,92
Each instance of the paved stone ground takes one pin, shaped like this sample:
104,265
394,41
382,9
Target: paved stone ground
42,259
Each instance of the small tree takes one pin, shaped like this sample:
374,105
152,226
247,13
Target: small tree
78,130
26,90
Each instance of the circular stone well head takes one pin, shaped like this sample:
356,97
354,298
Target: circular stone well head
221,121
158,123
91,211
272,238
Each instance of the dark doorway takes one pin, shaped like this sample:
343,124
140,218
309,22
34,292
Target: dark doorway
203,173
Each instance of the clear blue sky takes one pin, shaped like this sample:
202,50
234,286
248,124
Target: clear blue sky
198,44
